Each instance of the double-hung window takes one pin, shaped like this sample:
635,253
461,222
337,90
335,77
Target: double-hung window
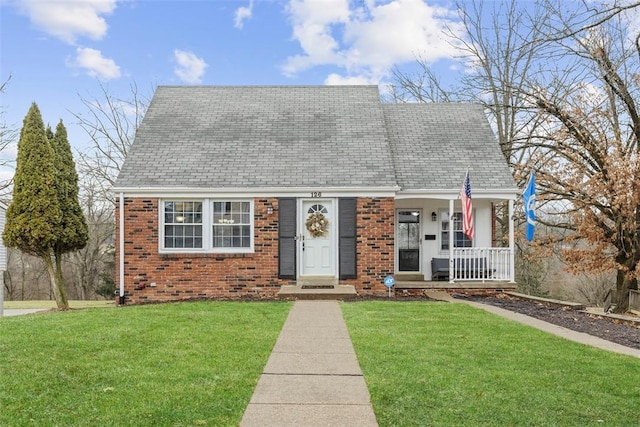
207,225
231,224
183,225
460,240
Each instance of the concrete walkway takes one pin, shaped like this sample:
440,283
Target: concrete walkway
312,377
19,311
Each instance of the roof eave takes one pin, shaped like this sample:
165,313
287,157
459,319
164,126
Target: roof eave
448,194
310,191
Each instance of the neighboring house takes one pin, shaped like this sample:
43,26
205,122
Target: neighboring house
236,191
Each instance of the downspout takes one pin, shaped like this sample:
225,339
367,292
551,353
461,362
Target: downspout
512,252
121,248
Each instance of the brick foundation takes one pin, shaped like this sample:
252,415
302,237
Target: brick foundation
154,277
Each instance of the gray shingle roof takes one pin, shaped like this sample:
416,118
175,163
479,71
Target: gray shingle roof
216,137
434,145
230,137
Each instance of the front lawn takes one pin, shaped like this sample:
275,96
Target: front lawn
180,364
439,364
188,364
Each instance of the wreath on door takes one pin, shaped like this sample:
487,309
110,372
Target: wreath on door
317,225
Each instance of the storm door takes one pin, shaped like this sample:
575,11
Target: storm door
408,240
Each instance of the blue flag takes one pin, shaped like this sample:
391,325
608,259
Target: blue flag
529,205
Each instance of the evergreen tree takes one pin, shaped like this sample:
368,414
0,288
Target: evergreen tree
49,134
72,231
45,218
34,215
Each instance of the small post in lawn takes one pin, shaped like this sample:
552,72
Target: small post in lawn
389,282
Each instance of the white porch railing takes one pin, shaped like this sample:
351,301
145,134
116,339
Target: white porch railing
481,264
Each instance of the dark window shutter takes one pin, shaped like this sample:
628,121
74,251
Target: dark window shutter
287,238
348,238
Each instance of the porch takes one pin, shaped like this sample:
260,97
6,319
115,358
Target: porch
465,269
432,247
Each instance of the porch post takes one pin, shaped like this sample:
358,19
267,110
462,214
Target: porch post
512,256
451,272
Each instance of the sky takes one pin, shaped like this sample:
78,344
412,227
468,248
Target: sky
59,51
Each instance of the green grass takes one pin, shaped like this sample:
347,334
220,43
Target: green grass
52,304
178,364
437,364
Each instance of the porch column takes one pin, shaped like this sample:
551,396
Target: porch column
512,257
451,276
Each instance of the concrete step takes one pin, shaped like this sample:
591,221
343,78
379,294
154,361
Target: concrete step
309,291
409,277
317,281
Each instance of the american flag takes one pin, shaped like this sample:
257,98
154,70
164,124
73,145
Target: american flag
467,209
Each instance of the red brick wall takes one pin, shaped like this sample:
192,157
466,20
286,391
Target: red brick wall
375,247
151,276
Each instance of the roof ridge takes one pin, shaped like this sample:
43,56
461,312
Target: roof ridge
266,86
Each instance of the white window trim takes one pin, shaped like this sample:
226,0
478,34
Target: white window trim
207,227
441,212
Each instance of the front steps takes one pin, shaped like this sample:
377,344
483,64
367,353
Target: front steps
317,291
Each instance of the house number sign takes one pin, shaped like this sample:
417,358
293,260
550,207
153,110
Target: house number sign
316,194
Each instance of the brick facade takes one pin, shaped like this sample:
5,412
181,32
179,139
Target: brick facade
151,276
375,253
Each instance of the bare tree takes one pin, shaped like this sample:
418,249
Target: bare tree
111,124
8,136
497,68
588,155
566,24
89,267
25,278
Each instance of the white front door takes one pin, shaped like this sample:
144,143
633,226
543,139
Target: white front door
318,247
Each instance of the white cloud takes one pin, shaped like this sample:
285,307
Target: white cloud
242,14
95,64
313,22
370,38
336,79
190,68
69,19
